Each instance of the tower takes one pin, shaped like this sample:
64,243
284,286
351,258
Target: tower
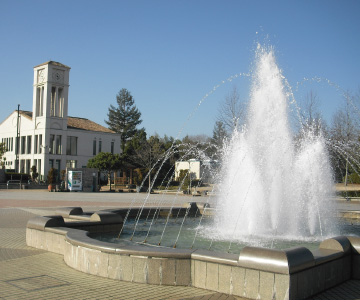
50,95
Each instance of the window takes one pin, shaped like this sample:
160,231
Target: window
23,143
28,167
52,144
22,166
100,146
71,145
36,144
52,103
112,147
71,163
94,147
58,144
17,142
28,145
40,142
39,167
39,101
57,102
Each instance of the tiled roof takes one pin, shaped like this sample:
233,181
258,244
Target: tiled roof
75,123
85,124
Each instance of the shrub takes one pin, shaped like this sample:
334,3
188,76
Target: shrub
353,178
17,176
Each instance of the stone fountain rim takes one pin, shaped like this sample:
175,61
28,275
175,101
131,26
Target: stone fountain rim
287,261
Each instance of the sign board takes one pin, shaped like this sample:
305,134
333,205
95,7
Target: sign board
75,180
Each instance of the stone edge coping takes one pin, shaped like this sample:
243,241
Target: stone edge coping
286,261
215,257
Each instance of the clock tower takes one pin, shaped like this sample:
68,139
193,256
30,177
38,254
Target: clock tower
50,95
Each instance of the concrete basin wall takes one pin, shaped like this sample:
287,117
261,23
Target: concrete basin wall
257,273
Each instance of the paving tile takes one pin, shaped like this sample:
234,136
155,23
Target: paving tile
28,273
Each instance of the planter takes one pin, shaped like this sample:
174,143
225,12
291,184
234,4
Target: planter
51,187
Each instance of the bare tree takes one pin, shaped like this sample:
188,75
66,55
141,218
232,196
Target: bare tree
310,116
231,112
345,132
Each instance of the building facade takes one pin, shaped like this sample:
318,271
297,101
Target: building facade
198,169
47,137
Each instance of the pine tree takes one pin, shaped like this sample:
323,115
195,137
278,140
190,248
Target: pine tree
219,134
124,118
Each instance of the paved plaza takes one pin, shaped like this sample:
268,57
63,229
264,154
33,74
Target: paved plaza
29,273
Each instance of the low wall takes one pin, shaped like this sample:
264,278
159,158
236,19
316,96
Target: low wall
258,273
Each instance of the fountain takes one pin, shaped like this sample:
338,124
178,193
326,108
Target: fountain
271,190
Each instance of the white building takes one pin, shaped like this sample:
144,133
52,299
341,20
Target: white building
199,170
47,137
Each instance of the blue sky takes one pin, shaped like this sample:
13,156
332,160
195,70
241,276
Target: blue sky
170,54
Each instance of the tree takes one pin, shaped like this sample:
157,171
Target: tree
2,152
344,135
232,111
147,154
124,118
34,173
310,117
219,134
105,161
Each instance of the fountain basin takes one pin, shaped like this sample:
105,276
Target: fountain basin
257,273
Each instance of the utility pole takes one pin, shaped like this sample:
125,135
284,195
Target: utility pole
17,150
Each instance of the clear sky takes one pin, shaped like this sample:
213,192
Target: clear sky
170,54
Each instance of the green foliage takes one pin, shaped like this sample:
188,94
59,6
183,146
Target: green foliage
52,176
34,173
219,134
138,176
124,118
105,161
2,149
184,179
2,152
353,178
16,176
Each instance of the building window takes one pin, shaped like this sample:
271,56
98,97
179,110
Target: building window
71,145
39,167
17,142
112,147
57,102
71,164
28,166
22,166
28,145
94,147
39,101
23,144
52,144
100,146
51,163
40,143
58,144
36,144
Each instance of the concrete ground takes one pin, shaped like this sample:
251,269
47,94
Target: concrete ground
28,273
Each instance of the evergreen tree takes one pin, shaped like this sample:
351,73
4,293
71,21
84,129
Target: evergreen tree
124,118
219,134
